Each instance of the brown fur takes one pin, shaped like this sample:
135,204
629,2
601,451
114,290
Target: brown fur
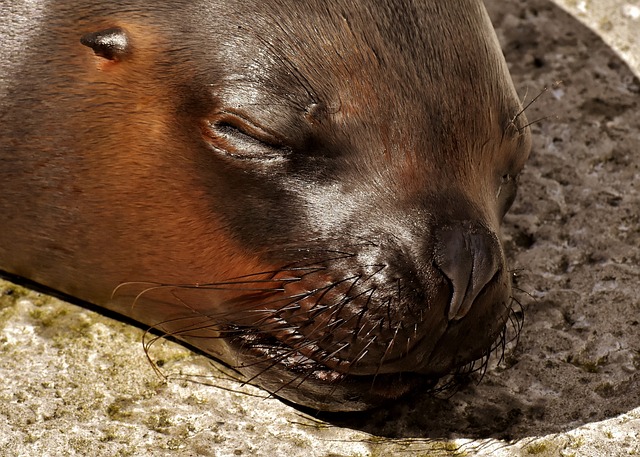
301,189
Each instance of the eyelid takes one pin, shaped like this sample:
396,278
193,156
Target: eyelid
236,136
507,179
247,127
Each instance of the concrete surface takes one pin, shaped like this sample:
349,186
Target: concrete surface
77,383
615,21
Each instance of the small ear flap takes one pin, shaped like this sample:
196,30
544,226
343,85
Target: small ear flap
111,44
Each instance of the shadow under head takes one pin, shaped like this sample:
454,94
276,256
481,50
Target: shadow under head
311,193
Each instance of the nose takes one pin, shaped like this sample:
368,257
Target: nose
470,257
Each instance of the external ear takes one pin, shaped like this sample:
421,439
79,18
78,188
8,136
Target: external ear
111,44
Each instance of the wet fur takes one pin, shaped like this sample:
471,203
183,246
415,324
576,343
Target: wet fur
287,192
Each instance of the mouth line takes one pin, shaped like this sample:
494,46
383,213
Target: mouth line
268,349
292,368
266,354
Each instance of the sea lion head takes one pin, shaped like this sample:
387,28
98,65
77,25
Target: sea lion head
333,179
371,163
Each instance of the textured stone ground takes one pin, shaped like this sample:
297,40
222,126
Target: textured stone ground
74,382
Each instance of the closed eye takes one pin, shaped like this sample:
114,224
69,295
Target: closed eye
241,139
507,192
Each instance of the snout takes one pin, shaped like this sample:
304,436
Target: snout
470,258
384,308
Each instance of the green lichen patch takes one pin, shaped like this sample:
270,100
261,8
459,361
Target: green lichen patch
537,448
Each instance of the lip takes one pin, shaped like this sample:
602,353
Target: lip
293,369
290,375
316,339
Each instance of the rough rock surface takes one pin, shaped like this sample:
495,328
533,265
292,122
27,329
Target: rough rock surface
78,383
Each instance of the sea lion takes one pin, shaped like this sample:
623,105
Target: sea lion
310,192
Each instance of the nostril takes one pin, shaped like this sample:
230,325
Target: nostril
470,257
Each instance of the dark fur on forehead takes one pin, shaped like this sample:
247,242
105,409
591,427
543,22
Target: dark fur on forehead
289,57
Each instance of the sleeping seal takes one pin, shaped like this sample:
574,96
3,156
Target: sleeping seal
310,192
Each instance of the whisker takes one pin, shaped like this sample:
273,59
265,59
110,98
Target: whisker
513,120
